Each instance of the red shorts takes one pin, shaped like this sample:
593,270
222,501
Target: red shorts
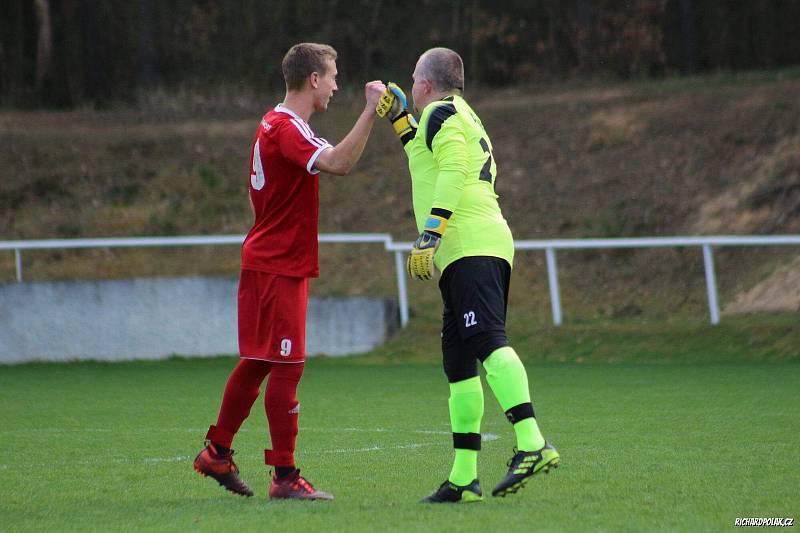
272,317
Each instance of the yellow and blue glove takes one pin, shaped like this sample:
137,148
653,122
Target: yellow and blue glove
394,105
420,261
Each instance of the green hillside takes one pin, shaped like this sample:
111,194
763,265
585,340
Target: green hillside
713,155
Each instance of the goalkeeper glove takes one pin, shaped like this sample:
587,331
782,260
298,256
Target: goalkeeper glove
392,102
394,105
420,261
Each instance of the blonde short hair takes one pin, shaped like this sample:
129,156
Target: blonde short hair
303,59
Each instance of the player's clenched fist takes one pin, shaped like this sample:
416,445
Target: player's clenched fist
372,92
394,105
392,102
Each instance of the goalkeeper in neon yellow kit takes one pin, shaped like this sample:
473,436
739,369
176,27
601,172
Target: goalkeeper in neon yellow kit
463,233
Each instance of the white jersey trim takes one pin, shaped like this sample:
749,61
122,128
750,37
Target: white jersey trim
313,159
280,108
272,360
308,134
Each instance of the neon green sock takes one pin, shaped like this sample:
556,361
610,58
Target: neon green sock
509,382
466,411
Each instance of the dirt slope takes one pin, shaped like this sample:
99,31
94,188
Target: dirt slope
702,156
779,292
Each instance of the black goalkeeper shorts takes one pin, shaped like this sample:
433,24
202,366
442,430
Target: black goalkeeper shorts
475,296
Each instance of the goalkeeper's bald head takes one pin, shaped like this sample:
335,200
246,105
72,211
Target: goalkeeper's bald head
443,68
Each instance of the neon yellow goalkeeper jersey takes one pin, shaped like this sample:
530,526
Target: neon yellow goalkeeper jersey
452,168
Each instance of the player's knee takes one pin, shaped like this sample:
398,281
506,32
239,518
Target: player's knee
466,399
483,344
461,369
458,364
467,413
502,360
287,371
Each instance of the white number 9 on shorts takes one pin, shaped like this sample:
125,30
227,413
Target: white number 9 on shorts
286,347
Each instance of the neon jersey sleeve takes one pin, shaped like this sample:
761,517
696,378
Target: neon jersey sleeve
299,145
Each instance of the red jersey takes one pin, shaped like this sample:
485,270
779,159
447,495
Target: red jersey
284,189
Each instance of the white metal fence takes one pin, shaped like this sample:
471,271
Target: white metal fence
400,248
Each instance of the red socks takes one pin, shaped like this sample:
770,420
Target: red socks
283,411
241,392
280,402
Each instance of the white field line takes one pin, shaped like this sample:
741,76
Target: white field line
375,430
485,437
133,431
130,431
378,448
98,462
182,458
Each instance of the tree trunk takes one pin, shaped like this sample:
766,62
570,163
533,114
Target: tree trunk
147,54
585,47
44,46
369,46
473,45
689,56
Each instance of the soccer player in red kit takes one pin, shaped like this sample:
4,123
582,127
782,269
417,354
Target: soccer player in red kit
279,255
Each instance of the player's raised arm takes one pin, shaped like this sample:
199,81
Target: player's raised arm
340,159
393,105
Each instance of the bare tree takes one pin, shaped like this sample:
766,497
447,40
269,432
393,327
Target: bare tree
689,55
44,45
369,45
146,52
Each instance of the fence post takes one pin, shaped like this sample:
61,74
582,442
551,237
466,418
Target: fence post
552,277
711,284
401,287
18,261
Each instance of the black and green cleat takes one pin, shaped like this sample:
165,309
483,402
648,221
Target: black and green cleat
451,493
524,465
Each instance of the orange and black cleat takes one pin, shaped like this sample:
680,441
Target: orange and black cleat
211,463
295,486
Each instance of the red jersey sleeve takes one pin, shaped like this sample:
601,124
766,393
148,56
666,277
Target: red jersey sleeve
299,145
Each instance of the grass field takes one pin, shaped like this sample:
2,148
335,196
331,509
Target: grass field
681,446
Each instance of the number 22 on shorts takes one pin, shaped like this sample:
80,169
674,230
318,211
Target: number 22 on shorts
469,319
